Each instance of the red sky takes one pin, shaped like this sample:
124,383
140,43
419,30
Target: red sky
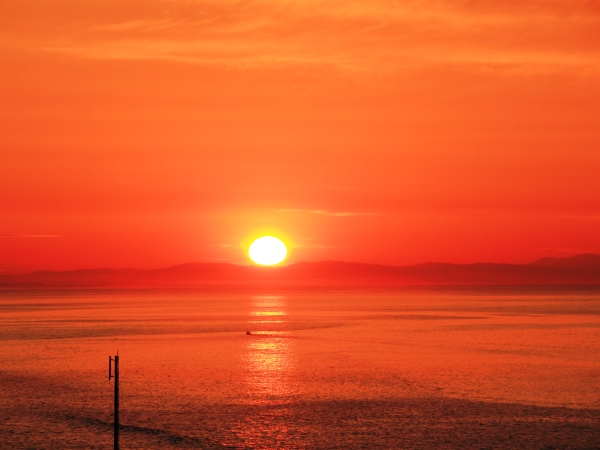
151,133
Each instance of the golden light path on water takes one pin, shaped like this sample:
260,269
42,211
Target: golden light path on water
269,362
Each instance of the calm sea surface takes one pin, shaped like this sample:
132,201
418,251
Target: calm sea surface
390,369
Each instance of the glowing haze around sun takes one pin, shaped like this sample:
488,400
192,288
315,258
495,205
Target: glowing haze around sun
267,251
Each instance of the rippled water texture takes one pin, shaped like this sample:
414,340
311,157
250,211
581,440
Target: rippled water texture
407,369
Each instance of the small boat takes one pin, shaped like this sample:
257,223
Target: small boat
248,333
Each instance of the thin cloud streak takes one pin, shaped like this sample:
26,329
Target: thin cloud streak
320,212
29,236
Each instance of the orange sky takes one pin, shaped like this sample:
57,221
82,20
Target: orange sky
151,133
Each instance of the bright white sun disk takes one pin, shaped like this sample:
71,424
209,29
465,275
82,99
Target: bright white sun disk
267,251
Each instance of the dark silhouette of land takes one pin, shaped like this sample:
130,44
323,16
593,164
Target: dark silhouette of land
578,270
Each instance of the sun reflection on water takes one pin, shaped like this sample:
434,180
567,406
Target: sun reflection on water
269,354
269,362
268,367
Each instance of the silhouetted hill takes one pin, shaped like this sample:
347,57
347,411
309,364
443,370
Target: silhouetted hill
586,261
581,269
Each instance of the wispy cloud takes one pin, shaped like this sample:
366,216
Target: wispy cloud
154,25
322,212
29,235
376,36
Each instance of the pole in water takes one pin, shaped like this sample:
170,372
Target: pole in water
116,377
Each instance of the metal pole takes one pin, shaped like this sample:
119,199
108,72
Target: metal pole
116,377
117,402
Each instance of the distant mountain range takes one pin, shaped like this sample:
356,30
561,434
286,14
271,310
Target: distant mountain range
582,269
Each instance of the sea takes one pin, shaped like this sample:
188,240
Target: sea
445,367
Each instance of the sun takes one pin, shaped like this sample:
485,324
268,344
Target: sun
267,251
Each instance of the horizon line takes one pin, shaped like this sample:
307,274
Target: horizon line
275,266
